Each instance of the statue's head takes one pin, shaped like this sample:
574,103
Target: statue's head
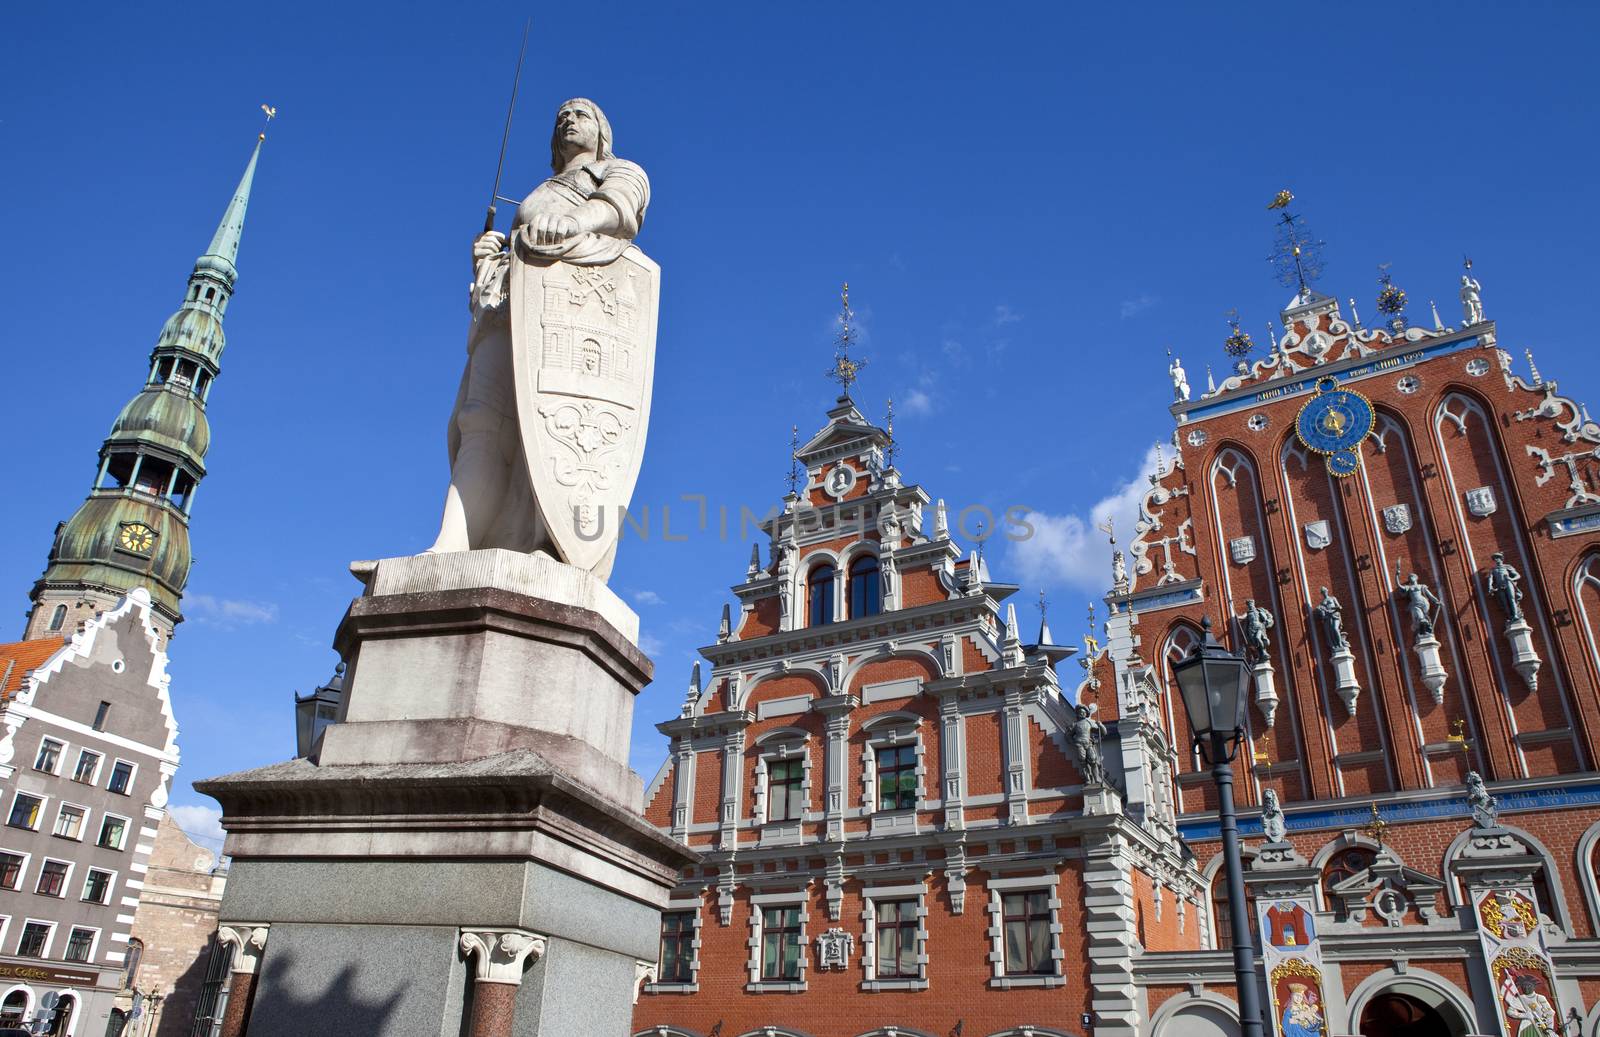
579,124
1272,797
1413,579
1498,556
1466,279
1250,603
1083,711
1527,984
1324,592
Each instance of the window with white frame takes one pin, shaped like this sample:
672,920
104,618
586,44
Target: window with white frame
35,939
97,886
12,867
892,764
678,966
1025,932
782,778
49,756
87,771
53,877
778,941
80,943
894,927
113,832
70,821
121,777
25,811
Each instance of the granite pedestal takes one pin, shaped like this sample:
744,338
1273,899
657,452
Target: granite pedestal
463,853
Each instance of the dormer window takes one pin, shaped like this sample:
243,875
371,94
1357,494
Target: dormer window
819,590
866,591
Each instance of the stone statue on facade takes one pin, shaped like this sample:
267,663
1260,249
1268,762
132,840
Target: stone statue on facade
1273,824
1332,615
1420,602
1503,580
1180,380
1256,623
1471,300
1485,808
1087,733
549,424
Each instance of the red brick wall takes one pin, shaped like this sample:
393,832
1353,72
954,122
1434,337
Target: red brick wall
985,755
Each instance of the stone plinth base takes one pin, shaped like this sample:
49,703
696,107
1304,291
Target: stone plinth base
365,878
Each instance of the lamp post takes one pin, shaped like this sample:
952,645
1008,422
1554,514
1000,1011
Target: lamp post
1212,683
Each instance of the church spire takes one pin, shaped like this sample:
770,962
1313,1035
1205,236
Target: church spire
133,530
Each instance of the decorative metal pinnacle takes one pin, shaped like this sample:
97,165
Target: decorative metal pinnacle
271,113
794,460
1376,826
846,369
1391,299
889,447
1296,254
1238,344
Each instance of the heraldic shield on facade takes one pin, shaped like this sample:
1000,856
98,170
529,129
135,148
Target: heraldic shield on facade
583,355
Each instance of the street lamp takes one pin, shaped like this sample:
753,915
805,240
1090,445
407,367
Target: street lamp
1212,683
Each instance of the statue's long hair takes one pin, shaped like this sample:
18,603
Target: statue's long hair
603,151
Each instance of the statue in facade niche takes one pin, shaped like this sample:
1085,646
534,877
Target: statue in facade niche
1087,733
549,424
1420,602
1503,580
1485,808
1273,824
1256,622
1332,615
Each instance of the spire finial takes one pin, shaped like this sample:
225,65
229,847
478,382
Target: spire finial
845,369
889,447
1438,325
794,460
1533,369
1391,299
1297,255
272,113
1238,344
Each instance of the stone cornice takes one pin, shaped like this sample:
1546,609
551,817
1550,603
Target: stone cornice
901,623
707,724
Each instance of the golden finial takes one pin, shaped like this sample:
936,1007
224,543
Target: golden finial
1260,756
1280,200
846,370
271,113
1376,826
1457,738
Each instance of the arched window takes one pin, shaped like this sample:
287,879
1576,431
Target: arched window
14,1009
1346,863
819,588
135,955
62,1022
58,617
866,594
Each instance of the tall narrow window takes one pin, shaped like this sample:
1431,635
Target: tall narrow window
1027,934
819,590
79,944
130,970
213,998
58,618
895,924
677,947
897,777
34,937
786,796
865,590
100,715
780,944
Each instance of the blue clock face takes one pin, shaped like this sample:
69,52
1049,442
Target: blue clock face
1344,462
1334,421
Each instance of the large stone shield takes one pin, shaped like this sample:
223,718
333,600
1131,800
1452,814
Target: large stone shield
583,348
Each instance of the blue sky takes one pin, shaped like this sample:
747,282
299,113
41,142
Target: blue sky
1031,203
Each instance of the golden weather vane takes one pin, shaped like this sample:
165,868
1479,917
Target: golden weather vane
1376,826
271,113
846,369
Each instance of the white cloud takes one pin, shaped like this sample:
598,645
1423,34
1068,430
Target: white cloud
648,598
651,645
201,823
208,610
916,402
1004,315
1134,307
1070,549
953,352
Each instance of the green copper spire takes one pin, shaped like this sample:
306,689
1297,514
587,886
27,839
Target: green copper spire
133,530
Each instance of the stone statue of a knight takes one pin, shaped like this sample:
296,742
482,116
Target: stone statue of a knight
549,424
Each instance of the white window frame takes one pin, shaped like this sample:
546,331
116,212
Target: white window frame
133,776
127,826
66,880
998,887
869,936
94,944
22,873
759,902
111,885
50,937
61,756
891,731
100,762
693,906
44,805
87,815
785,743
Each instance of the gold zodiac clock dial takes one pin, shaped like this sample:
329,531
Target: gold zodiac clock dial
136,537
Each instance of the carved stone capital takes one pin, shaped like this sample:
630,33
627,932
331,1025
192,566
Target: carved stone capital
501,953
248,941
643,972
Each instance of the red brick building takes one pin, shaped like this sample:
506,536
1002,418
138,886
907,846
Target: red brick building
887,789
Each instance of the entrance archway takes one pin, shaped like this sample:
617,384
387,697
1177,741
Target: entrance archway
1393,1014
